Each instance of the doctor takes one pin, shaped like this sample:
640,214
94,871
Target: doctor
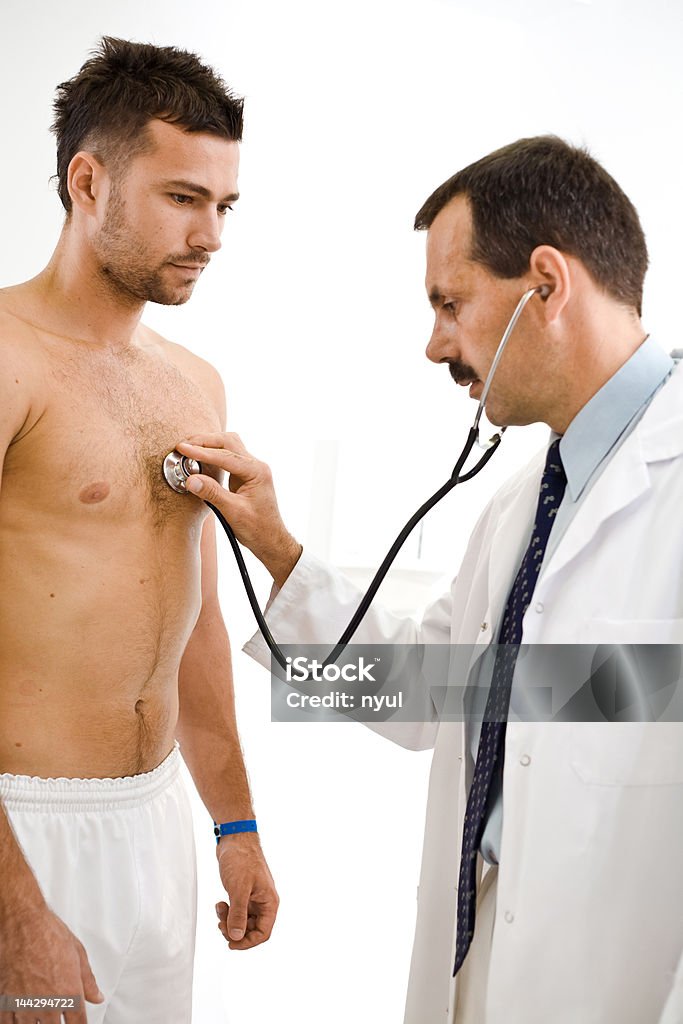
552,872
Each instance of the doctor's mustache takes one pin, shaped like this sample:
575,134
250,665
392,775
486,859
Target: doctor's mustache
461,372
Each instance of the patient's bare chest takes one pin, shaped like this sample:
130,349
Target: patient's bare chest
116,418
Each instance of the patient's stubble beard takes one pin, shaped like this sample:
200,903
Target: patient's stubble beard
126,266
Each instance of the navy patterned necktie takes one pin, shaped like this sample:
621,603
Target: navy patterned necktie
492,738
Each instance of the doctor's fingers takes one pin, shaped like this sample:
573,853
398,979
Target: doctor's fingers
241,465
224,439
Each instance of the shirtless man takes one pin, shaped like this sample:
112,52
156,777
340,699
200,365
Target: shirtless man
113,644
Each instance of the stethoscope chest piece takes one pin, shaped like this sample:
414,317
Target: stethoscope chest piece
177,468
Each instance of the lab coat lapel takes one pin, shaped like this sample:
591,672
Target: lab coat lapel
624,479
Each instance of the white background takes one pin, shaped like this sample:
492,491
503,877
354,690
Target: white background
314,312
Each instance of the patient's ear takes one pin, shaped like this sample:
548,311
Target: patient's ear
88,182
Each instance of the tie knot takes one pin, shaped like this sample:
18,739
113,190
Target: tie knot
553,462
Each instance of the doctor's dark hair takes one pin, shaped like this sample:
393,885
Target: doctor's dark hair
107,106
543,191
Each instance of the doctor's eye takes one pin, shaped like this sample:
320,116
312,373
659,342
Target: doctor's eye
451,307
180,199
223,208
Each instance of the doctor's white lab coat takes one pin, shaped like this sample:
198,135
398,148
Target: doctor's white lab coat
589,912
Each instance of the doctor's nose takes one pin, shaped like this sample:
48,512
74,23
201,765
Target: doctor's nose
440,346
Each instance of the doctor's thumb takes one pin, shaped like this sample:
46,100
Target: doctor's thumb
204,486
210,491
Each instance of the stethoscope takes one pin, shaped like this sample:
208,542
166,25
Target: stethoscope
177,468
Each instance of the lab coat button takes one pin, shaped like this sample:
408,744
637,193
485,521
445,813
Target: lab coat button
539,607
525,760
509,916
484,626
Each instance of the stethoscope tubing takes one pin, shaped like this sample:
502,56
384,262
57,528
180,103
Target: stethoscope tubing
501,348
370,593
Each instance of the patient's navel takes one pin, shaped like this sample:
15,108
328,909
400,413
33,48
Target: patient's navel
92,493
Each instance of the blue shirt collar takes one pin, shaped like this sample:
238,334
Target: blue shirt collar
597,427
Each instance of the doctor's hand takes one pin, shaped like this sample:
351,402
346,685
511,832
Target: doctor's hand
249,503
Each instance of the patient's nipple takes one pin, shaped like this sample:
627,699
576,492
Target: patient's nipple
92,493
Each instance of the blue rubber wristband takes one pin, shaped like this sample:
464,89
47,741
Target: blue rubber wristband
231,828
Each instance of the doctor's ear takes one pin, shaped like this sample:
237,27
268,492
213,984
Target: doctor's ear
551,272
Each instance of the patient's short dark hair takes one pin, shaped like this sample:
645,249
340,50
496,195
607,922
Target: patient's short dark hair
107,106
543,191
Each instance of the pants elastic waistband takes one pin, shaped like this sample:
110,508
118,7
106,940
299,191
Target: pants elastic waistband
28,792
